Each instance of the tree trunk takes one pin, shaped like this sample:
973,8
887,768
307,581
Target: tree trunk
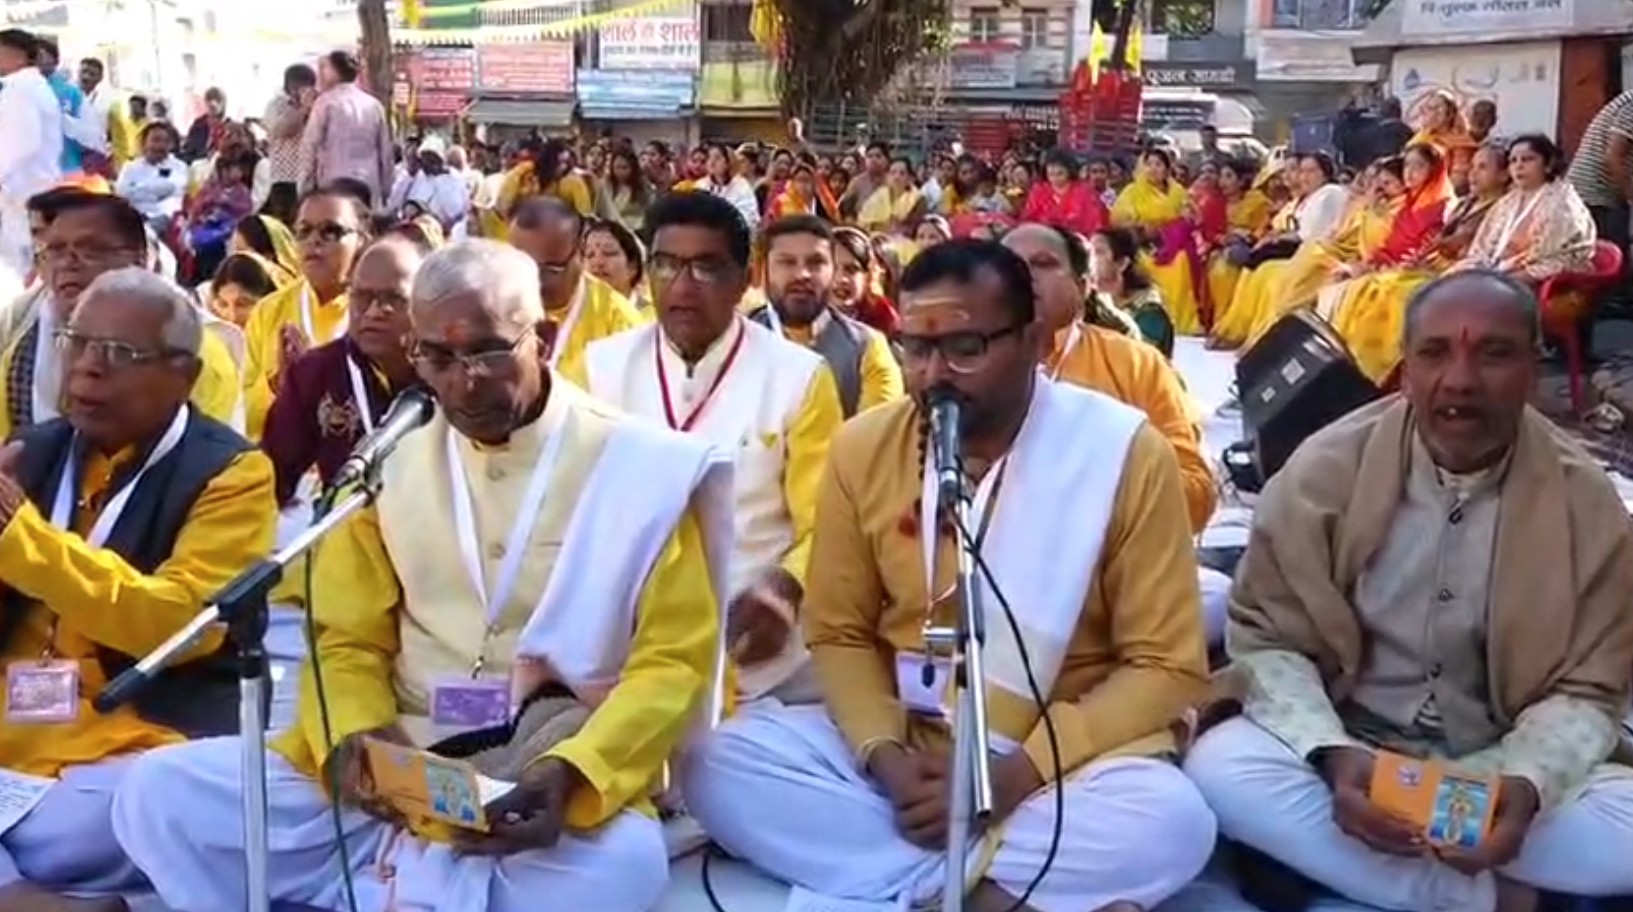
375,47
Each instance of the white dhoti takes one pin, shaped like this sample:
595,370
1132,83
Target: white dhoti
178,817
65,843
1270,799
779,788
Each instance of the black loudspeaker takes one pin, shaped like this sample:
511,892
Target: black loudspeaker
1298,378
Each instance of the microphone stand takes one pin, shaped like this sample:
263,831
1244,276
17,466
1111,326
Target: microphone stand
242,606
964,644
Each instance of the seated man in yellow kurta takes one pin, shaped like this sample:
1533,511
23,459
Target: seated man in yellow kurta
1091,546
169,506
85,235
527,534
583,307
1128,370
799,275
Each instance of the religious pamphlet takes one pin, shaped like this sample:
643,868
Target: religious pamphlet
19,793
1453,809
424,785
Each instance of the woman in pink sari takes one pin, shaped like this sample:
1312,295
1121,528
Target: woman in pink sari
1156,206
1062,200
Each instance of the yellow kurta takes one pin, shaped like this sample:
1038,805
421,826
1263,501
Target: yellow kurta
605,313
881,376
100,599
1145,206
1371,316
396,611
263,338
216,392
1136,374
1121,682
518,184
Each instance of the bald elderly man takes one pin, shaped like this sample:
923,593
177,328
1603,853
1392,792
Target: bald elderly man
1444,575
508,559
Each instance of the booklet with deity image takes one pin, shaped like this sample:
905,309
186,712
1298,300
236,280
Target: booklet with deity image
1452,808
422,785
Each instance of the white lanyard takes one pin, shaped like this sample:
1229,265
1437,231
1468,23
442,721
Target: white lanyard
307,322
564,329
1513,225
930,515
1072,338
62,508
527,513
47,369
360,395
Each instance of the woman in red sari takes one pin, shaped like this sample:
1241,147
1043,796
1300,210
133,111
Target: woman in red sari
1416,226
858,288
1062,200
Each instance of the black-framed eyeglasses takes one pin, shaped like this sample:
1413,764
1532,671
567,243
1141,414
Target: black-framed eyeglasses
964,352
328,232
706,270
431,358
112,352
389,301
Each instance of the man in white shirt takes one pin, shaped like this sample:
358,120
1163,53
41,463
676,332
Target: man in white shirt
431,187
156,183
31,151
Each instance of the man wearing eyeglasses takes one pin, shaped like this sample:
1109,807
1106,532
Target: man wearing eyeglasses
119,518
85,236
705,369
1094,639
799,273
583,307
528,543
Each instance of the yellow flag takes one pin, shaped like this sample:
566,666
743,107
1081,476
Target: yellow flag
413,12
1098,52
765,24
1136,47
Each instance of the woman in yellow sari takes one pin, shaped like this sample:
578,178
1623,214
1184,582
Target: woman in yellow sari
896,207
1539,229
543,169
1248,214
1318,213
1159,209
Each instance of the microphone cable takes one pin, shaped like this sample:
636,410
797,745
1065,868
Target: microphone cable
328,772
1056,830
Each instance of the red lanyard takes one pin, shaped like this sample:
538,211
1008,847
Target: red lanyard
663,383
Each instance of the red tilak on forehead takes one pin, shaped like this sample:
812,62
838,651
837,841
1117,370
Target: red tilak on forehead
931,324
458,333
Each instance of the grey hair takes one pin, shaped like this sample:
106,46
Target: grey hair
1506,290
183,323
506,279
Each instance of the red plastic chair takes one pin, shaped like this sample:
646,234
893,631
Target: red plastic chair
1570,298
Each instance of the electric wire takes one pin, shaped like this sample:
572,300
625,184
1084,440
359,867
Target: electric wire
972,547
325,503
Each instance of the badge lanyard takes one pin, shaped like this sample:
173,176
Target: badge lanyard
62,506
663,383
46,367
515,543
308,321
564,329
360,395
981,512
1072,338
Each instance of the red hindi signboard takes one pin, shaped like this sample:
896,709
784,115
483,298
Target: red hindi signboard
542,68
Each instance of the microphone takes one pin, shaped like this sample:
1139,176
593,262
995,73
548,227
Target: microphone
409,412
945,414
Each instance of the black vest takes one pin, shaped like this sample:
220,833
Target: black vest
841,343
200,698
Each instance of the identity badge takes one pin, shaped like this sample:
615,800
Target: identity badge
42,692
468,704
921,682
